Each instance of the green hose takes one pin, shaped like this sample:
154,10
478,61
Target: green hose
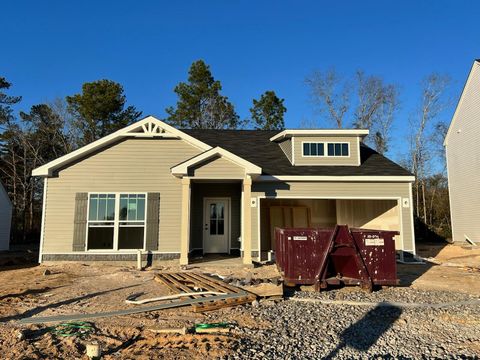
212,325
80,329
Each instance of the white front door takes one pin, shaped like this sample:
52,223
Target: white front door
216,225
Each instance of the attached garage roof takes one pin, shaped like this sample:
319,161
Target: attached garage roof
255,146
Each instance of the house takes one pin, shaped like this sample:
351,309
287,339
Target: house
177,192
463,161
5,219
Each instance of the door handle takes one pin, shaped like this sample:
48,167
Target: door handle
206,226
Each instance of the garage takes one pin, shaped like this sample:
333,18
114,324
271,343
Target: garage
378,214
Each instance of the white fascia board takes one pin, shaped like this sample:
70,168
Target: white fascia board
460,102
318,132
47,169
337,178
182,169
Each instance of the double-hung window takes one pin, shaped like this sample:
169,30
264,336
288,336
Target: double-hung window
116,221
317,149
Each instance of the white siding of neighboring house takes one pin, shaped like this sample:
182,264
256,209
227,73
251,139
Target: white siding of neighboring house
5,219
462,146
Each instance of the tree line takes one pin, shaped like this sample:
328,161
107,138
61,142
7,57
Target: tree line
49,130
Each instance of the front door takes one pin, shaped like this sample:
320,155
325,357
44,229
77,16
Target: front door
216,225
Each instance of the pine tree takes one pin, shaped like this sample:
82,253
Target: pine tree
267,113
200,104
100,110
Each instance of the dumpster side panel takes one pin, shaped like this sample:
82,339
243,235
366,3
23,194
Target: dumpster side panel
378,251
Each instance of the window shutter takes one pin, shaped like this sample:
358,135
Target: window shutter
80,222
153,220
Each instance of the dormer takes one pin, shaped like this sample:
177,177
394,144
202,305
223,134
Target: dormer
309,147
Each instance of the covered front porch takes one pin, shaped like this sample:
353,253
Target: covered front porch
216,206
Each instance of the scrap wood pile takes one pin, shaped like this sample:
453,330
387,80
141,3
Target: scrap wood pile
199,286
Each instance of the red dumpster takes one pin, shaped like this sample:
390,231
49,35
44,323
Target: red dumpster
323,256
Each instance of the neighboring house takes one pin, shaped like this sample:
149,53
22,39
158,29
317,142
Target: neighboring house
463,161
5,219
150,186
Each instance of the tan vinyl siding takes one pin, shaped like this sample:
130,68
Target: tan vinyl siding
352,159
218,168
463,162
332,190
286,147
133,165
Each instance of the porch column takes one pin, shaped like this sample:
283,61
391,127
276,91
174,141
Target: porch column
185,231
247,221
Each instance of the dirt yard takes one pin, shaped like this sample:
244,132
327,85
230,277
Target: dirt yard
68,288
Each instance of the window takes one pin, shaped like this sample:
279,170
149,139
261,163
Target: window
313,149
101,224
337,149
116,221
318,149
132,221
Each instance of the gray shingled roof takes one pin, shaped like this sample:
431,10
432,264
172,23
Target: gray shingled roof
256,147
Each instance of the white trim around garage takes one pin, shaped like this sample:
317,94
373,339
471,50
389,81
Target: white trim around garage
397,198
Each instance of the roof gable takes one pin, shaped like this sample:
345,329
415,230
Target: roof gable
182,169
149,127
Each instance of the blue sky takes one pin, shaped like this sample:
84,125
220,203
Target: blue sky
49,48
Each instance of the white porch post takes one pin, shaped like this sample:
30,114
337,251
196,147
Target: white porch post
185,231
247,221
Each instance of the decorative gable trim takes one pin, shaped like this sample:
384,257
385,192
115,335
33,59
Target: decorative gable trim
149,127
181,169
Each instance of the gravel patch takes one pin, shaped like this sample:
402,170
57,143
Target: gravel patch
314,330
389,294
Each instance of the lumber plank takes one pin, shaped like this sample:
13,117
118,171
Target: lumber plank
219,304
135,310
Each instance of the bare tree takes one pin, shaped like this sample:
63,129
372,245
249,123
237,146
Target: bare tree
432,103
331,94
376,108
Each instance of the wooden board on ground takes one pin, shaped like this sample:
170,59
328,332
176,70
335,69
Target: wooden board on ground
266,290
183,282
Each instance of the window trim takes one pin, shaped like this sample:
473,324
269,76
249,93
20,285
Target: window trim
116,221
325,149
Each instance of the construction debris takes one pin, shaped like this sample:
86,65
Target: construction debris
94,350
131,298
182,283
137,310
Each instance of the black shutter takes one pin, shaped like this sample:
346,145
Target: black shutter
80,222
153,221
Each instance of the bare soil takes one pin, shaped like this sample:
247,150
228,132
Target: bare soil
79,288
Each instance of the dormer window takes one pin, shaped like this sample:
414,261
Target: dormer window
337,149
318,149
313,149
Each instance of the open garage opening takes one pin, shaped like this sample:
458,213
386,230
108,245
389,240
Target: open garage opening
375,214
